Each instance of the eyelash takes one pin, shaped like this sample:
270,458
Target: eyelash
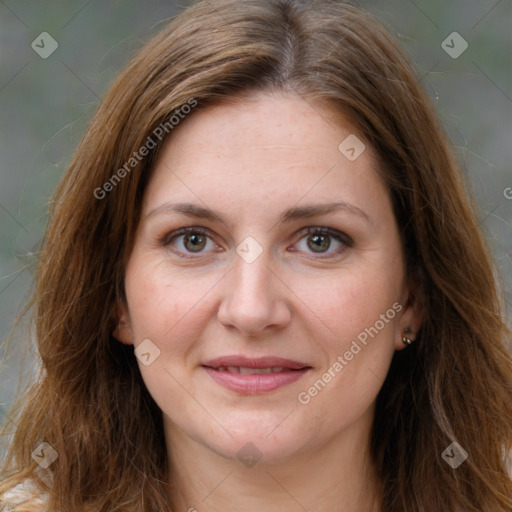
344,239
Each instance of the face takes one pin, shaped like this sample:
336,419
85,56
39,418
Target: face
266,276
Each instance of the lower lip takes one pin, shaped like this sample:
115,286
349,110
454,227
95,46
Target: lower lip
256,383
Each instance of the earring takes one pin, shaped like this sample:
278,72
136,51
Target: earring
405,339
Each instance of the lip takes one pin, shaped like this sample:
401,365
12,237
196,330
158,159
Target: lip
256,362
256,383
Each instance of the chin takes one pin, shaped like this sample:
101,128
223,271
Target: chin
253,441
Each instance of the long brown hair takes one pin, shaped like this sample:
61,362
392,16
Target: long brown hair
453,384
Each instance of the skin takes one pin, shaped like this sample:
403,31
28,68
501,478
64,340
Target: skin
250,161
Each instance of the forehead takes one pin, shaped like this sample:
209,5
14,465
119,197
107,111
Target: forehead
266,149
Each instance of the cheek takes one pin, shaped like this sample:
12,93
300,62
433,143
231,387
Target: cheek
358,310
353,299
362,317
161,300
165,307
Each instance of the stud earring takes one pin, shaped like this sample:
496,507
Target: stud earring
405,339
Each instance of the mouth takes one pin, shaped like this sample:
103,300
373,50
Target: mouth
251,371
254,376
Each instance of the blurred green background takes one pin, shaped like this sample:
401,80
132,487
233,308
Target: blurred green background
45,106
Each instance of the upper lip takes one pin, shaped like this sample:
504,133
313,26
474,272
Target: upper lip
257,362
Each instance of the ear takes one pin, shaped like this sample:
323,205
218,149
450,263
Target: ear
123,331
410,319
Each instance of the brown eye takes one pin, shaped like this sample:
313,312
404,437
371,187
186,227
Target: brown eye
319,243
319,240
194,242
189,240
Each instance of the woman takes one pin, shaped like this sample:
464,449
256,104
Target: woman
263,286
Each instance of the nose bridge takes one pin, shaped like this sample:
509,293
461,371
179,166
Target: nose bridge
252,299
251,279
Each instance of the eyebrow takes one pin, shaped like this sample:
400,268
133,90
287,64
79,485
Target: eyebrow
291,214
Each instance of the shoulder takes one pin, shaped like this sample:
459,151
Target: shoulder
26,495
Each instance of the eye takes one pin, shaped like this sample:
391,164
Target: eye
318,240
191,239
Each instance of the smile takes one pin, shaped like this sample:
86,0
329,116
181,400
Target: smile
249,371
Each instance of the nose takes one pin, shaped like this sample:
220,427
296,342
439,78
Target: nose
254,298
